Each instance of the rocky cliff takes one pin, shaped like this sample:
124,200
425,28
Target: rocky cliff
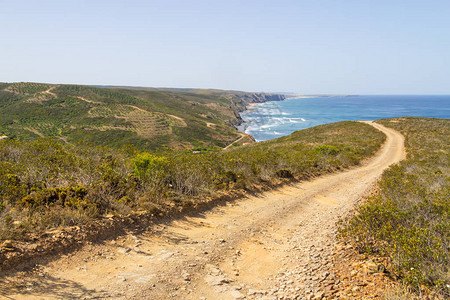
244,99
240,101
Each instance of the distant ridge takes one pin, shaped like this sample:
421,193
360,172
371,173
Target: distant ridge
147,118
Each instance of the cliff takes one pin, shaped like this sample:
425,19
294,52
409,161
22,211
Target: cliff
240,101
244,99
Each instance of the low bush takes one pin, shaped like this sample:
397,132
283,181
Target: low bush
408,220
46,184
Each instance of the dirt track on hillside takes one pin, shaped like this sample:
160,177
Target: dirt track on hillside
276,245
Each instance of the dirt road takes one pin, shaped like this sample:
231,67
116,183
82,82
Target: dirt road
275,245
242,136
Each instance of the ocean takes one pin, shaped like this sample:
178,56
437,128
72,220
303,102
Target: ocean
274,119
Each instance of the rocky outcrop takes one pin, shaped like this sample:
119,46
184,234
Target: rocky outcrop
243,100
240,101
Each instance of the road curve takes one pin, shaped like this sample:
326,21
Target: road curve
263,247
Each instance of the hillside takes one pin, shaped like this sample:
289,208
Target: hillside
407,221
47,184
264,243
149,119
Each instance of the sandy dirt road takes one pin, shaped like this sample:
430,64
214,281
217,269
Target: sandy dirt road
242,136
276,245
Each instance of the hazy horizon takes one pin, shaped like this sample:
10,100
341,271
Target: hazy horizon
304,47
288,93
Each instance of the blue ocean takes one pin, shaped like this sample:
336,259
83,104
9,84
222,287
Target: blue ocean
274,119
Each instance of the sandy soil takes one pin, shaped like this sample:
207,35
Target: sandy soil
276,245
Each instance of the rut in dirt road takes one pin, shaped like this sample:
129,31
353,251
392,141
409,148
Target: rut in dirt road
272,246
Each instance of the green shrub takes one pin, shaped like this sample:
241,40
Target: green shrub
327,149
80,182
409,220
147,164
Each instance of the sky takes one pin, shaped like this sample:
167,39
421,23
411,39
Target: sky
307,47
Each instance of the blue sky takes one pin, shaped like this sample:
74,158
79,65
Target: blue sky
343,47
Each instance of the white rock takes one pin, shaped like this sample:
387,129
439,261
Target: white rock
123,250
216,280
236,294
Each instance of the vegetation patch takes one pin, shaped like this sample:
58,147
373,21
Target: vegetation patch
46,184
154,120
408,219
27,87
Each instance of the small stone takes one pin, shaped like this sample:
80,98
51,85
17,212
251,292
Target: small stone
186,276
371,267
329,288
319,295
124,250
7,244
236,294
216,280
255,292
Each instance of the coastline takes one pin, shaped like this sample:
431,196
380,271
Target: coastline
243,102
241,126
274,120
250,105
